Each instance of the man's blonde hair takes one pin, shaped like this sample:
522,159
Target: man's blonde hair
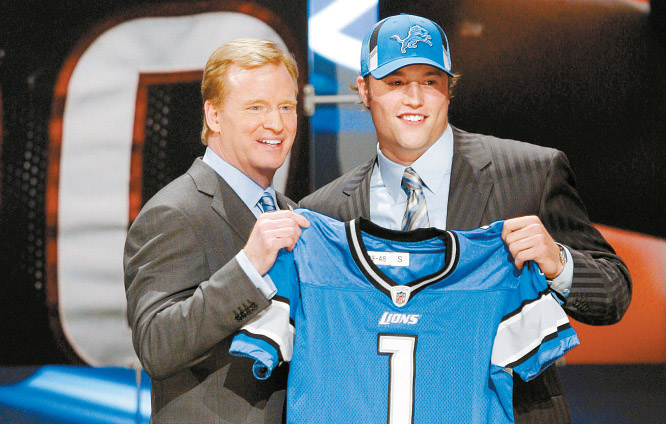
246,53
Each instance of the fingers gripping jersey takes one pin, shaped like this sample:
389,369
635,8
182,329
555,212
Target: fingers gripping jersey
403,327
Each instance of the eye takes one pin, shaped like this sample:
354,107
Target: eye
287,108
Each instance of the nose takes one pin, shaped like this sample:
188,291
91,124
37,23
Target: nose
273,120
413,94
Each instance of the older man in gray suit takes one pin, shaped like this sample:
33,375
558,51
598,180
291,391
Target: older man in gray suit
429,173
196,255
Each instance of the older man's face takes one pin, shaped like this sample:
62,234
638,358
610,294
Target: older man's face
256,121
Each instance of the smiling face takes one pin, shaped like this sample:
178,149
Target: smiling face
254,127
409,108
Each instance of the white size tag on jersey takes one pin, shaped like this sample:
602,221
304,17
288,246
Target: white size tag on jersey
389,258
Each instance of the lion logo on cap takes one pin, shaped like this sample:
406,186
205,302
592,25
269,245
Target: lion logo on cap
416,33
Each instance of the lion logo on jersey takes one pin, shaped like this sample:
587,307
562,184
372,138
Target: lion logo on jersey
416,33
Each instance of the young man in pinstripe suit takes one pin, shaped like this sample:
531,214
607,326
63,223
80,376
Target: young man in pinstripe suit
468,180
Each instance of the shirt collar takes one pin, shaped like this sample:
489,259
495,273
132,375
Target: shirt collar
249,191
428,166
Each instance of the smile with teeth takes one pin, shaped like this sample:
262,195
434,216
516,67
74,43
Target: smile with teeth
271,142
412,118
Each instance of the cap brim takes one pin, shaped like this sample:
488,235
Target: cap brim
394,65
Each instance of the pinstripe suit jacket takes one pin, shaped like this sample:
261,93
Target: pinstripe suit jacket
493,179
187,295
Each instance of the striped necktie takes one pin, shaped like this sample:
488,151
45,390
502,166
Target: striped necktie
267,203
416,214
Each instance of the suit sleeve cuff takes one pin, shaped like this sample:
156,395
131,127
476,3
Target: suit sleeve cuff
263,283
562,283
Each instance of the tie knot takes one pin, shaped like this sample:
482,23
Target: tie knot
267,203
411,181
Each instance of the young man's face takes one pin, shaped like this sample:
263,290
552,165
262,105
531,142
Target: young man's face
256,121
409,108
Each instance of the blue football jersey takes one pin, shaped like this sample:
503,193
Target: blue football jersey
423,327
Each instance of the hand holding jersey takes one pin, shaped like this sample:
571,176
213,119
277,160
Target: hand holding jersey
528,240
272,232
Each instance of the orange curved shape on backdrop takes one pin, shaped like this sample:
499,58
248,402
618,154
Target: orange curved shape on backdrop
640,337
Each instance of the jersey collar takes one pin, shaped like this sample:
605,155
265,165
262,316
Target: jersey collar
399,293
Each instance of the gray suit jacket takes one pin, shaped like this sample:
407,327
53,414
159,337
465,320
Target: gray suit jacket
187,295
494,179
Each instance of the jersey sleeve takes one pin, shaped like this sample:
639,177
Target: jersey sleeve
536,332
268,339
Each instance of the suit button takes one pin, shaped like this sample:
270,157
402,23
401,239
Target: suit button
581,304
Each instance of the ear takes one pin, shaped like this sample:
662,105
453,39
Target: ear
362,90
212,118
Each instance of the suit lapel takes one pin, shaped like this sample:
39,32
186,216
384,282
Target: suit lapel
284,202
470,184
468,193
357,188
225,201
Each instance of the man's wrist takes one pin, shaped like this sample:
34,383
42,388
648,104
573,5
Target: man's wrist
562,283
263,283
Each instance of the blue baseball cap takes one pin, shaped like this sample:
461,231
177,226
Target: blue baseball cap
403,40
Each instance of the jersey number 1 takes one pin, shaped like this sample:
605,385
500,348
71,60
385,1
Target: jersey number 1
401,350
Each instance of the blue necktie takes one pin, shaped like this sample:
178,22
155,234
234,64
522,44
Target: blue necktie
416,214
267,203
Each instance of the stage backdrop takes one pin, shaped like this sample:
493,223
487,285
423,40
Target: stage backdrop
101,108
